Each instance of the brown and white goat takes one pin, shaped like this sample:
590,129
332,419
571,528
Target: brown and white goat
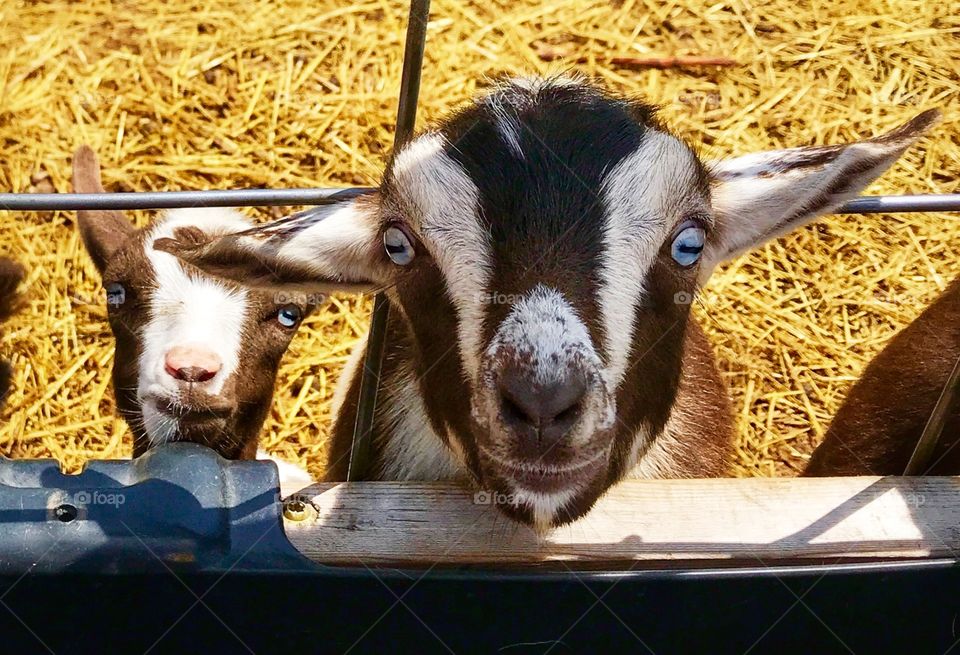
877,427
196,357
540,249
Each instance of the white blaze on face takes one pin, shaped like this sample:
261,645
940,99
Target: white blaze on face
444,205
186,310
645,195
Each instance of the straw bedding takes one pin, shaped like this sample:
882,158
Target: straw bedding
231,93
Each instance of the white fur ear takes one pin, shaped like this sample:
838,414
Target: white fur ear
761,196
325,249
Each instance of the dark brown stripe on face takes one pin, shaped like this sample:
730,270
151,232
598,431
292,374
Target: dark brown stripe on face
434,350
672,367
543,210
423,342
129,268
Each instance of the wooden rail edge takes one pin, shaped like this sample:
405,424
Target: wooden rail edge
639,524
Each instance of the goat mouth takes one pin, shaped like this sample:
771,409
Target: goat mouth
539,477
194,415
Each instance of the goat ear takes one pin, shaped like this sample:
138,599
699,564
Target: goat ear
761,196
103,230
329,248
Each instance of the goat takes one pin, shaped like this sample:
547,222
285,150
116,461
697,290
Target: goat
540,249
196,357
877,427
11,275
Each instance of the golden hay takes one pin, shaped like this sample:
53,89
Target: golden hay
303,93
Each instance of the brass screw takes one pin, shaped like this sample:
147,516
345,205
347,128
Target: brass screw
295,509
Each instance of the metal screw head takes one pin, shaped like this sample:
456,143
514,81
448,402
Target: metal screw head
65,513
297,509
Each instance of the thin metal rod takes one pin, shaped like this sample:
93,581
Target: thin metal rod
376,340
174,199
943,202
947,202
923,453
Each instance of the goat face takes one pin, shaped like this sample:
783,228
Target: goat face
542,248
196,356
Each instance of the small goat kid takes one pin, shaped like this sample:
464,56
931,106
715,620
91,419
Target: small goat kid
196,357
877,427
540,249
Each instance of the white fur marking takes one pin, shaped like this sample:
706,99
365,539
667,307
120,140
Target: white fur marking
186,310
544,507
412,450
544,329
333,244
536,84
755,194
644,196
350,370
445,203
507,124
659,461
544,326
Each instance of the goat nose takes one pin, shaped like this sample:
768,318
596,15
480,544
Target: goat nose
191,363
551,409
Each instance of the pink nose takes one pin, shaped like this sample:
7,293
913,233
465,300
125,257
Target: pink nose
191,363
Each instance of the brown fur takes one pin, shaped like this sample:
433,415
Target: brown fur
11,275
877,427
696,443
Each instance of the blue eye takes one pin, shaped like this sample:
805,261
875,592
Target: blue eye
688,245
289,316
116,294
398,246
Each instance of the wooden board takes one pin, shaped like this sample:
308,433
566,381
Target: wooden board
750,522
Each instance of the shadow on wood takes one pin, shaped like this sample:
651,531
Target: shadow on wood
639,524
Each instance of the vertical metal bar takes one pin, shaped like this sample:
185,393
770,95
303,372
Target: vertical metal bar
920,459
412,67
376,340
